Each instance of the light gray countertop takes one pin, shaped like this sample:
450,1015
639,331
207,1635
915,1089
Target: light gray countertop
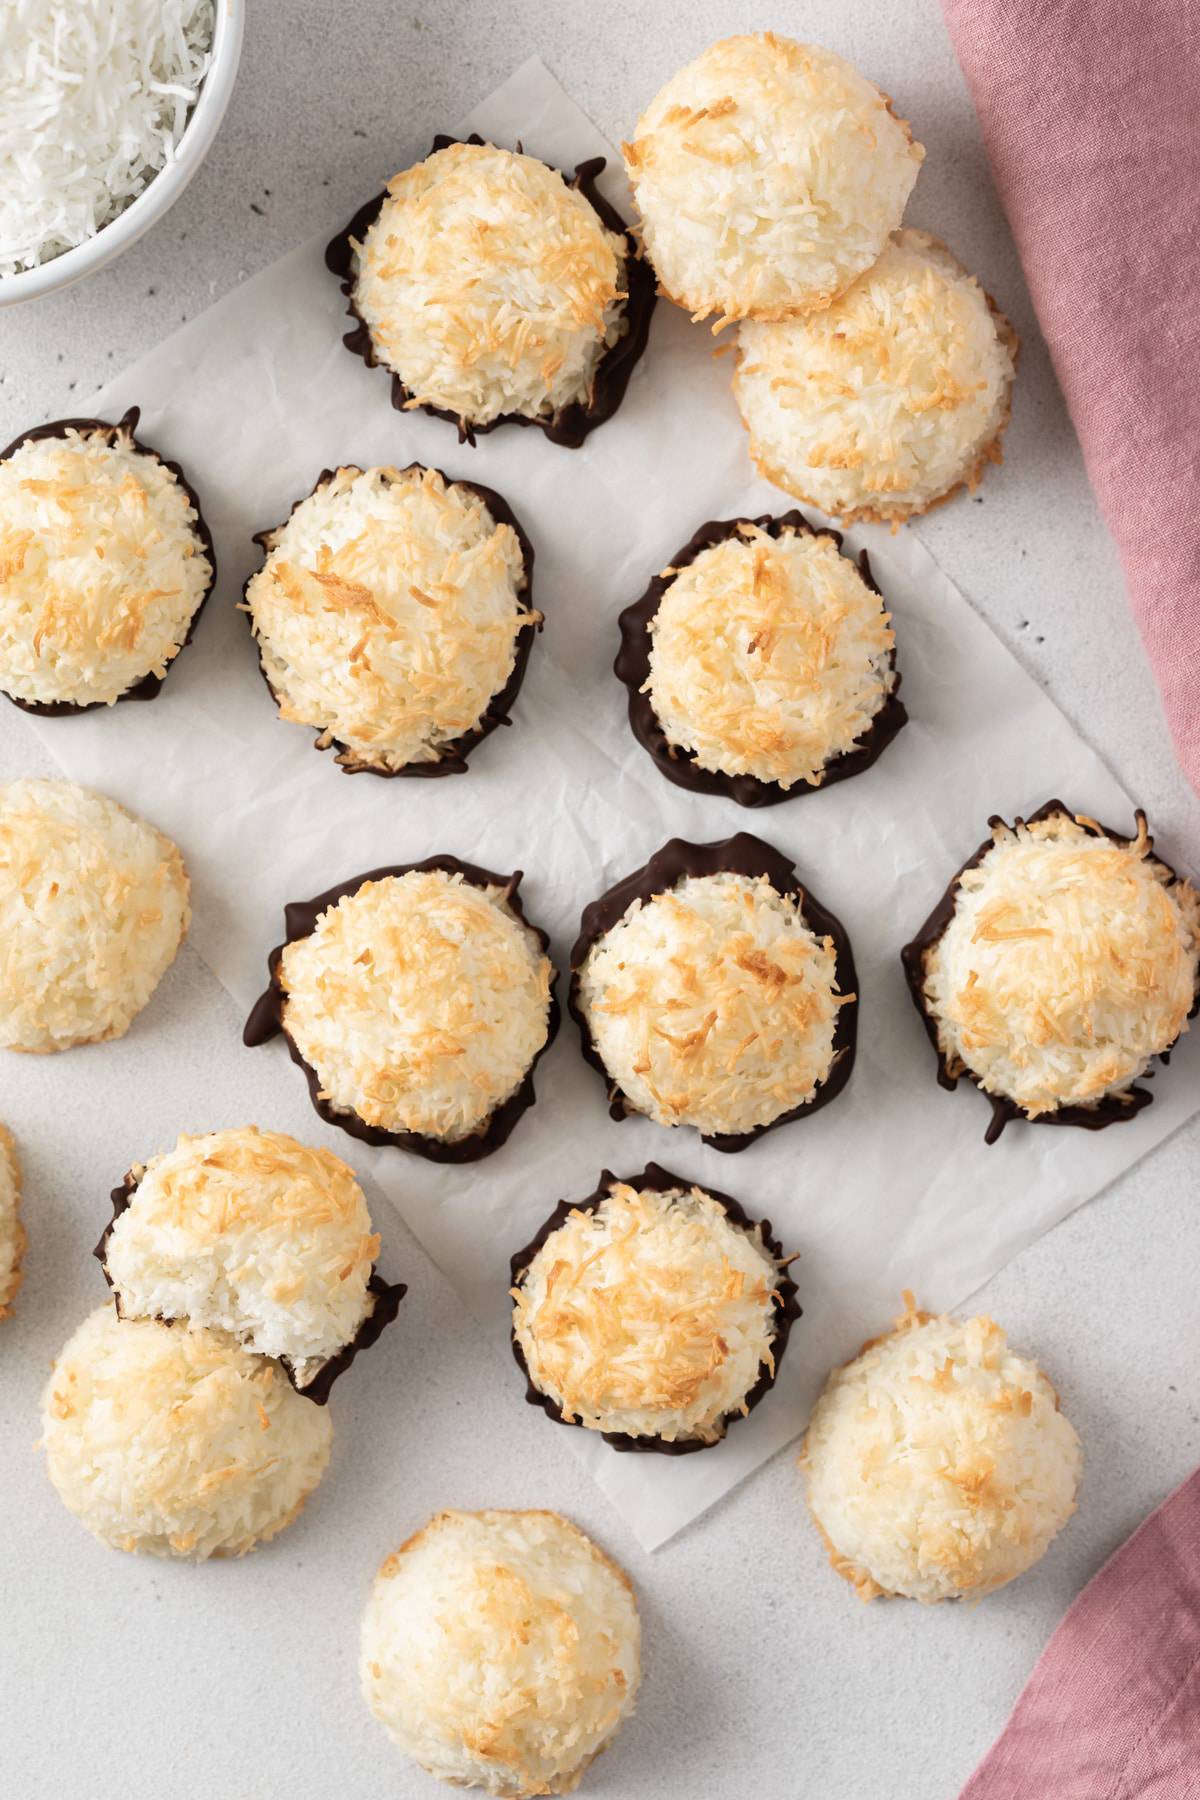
763,1674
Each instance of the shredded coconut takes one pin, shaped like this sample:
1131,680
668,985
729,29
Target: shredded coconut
489,286
501,1650
93,906
12,1234
891,399
938,1463
388,613
768,174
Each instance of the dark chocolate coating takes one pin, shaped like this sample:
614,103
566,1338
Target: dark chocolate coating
1111,1109
661,1181
267,1020
453,757
743,854
679,765
147,688
570,426
388,1296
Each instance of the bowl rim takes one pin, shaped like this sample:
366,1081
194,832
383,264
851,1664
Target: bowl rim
165,188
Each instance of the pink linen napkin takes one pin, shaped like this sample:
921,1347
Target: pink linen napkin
1112,1710
1090,111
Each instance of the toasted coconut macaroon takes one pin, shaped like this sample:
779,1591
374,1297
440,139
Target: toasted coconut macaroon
768,174
655,1312
251,1233
105,562
177,1442
392,616
496,291
712,990
501,1650
1062,959
761,663
938,1463
93,907
417,1000
891,400
12,1232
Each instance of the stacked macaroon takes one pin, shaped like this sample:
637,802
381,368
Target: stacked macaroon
189,1419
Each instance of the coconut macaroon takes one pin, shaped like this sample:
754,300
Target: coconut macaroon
105,562
177,1442
501,1650
938,1463
761,662
768,174
493,289
93,907
889,401
12,1232
654,1311
713,990
392,616
418,999
1062,960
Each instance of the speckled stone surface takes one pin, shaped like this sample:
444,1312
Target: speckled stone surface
763,1674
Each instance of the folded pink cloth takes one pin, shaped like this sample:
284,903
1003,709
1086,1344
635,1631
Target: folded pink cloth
1112,1710
1090,111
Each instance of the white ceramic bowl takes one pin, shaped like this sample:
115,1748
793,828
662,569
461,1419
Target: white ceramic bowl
162,193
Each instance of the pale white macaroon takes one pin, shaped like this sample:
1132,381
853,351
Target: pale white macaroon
420,1000
1070,961
938,1463
501,1650
175,1441
768,174
490,286
652,1314
251,1233
12,1232
93,907
102,568
890,400
769,656
713,1004
388,613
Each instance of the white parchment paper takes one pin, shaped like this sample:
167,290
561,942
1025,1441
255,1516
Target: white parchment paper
892,1186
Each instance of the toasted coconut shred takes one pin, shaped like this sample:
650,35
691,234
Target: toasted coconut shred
489,286
421,1002
93,906
101,568
938,1463
251,1233
768,174
501,1650
388,613
175,1441
1070,962
891,399
12,1232
769,657
652,1315
713,1004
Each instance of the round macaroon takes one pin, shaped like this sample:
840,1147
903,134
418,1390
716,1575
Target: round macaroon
1062,960
768,174
761,662
254,1234
654,1311
418,998
93,907
501,1650
12,1232
938,1463
105,562
392,616
713,990
493,289
177,1442
889,401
